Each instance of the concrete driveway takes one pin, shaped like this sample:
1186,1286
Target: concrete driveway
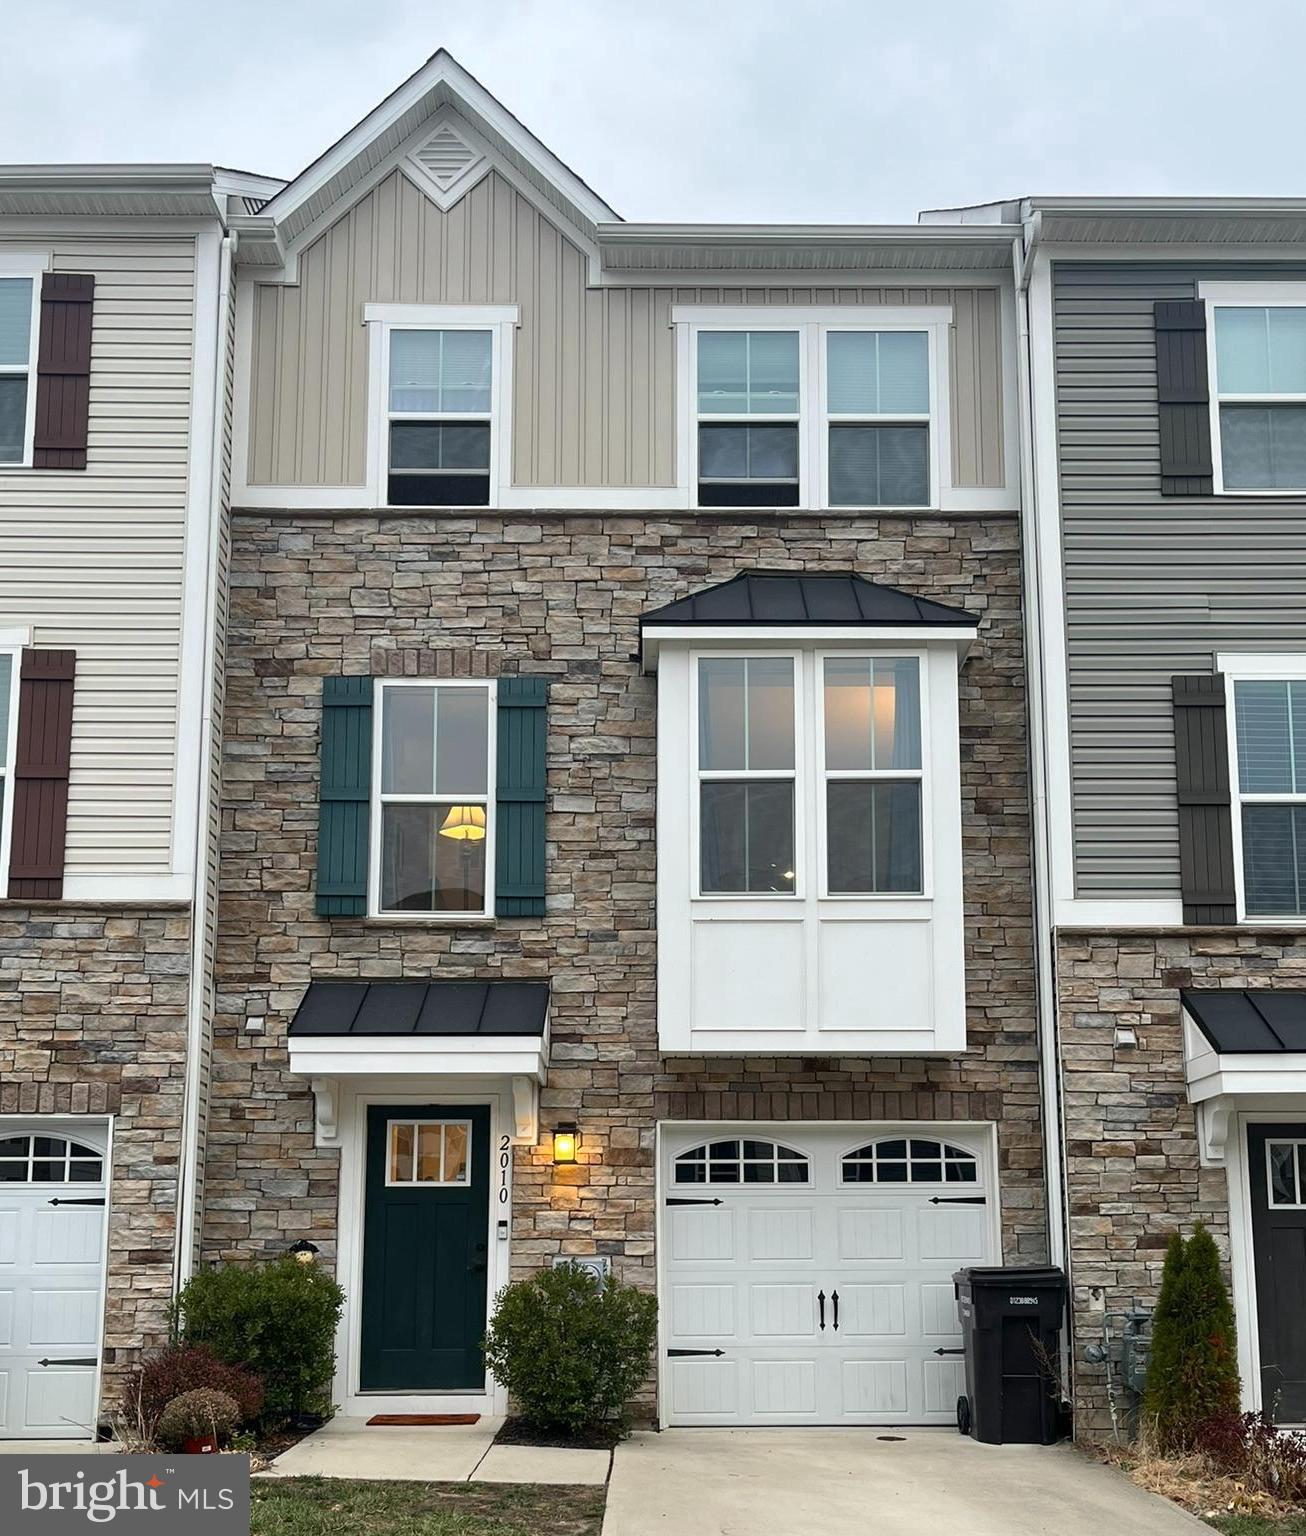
860,1482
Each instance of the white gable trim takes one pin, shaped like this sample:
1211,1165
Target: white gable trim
441,68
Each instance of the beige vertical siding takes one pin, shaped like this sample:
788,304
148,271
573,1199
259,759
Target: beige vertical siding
594,380
93,559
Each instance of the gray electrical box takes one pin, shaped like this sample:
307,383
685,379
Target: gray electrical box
600,1267
1136,1350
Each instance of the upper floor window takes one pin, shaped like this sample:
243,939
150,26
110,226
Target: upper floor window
1270,736
9,666
877,404
749,390
440,386
440,399
1259,395
432,831
17,353
834,409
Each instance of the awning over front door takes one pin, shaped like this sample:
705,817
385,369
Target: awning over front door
427,1029
1240,1045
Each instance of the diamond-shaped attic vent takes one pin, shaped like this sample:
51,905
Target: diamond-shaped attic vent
447,159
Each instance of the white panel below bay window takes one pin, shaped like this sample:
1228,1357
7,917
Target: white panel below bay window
875,976
748,975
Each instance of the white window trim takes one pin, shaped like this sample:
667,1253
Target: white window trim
415,1182
922,775
1243,295
1291,1205
12,642
33,265
1236,668
812,325
441,918
700,776
380,319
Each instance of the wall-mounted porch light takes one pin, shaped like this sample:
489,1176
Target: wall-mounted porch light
303,1250
566,1138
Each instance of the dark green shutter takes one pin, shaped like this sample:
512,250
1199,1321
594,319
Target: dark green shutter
344,797
519,797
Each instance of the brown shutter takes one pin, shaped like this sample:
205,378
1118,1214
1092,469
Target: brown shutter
40,776
63,371
1205,816
1183,395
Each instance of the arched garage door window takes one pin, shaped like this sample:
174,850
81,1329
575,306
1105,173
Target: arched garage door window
49,1160
742,1162
910,1160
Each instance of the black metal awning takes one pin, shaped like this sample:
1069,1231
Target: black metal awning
425,1008
1249,1022
818,598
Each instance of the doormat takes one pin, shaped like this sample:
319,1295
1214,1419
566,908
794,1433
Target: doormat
423,1419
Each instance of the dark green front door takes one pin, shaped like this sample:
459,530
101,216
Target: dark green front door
424,1247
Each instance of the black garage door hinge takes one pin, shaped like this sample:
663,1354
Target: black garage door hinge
89,1200
681,1200
949,1351
80,1360
959,1200
678,1354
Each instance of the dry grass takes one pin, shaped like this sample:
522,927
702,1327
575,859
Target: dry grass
1195,1485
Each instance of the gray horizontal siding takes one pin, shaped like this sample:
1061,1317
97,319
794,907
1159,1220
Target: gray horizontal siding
1154,585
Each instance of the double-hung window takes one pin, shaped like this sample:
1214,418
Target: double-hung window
440,398
877,408
746,774
871,762
1259,395
749,388
839,407
1269,727
9,665
18,311
432,827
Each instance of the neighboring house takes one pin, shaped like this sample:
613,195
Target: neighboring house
114,346
624,757
1167,530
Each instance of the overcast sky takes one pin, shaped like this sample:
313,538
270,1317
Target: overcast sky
700,109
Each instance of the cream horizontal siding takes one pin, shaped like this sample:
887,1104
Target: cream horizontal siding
92,560
594,368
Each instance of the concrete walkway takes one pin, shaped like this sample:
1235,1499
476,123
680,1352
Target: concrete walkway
858,1482
447,1453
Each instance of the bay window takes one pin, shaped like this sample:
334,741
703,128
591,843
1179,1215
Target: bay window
432,827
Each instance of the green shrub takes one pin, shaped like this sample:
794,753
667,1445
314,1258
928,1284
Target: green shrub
197,1415
1192,1372
571,1349
277,1320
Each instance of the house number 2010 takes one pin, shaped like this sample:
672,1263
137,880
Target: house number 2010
505,1162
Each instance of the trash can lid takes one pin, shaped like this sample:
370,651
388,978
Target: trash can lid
1013,1274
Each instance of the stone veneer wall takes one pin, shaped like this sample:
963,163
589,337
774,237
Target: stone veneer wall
1131,1136
93,1022
560,596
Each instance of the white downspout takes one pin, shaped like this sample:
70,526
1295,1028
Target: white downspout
201,981
1054,1154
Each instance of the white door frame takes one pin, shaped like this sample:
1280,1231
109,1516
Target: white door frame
1242,1255
97,1131
356,1097
775,1130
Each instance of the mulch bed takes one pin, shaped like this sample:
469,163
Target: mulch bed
519,1432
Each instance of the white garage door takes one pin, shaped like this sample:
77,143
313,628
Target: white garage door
52,1211
806,1272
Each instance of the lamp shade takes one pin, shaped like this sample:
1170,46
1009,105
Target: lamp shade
466,823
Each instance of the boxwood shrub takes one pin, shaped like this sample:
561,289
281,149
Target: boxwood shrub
570,1348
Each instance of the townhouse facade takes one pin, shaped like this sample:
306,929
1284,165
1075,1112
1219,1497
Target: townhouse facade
1167,530
748,757
114,358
